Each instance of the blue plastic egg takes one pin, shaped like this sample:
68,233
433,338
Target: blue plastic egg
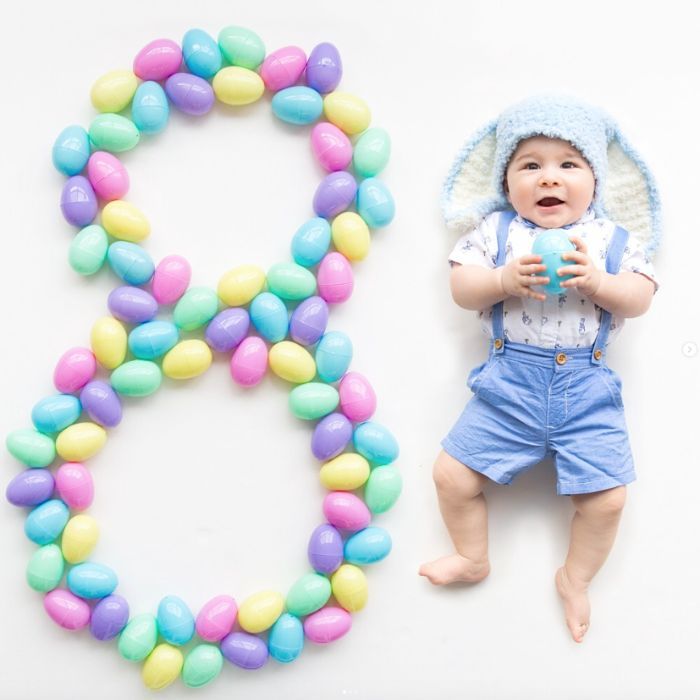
201,53
46,522
130,262
375,443
90,580
310,242
367,546
297,105
153,339
375,203
550,244
71,150
286,639
149,108
269,316
54,413
333,356
175,621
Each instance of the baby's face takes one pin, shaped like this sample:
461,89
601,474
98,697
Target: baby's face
549,182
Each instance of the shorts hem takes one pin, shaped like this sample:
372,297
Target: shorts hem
576,488
469,461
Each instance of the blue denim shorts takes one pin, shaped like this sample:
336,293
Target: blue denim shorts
530,403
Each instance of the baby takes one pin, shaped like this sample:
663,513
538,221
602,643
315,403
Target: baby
546,163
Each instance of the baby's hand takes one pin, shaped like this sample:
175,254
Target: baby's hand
587,277
519,275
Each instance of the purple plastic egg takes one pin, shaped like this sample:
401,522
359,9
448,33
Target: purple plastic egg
190,93
309,320
109,617
101,403
227,329
334,194
132,304
30,487
331,435
78,201
244,650
325,549
324,69
158,60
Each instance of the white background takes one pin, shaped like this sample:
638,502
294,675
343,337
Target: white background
205,488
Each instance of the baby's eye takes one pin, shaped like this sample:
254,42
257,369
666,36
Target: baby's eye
531,166
568,164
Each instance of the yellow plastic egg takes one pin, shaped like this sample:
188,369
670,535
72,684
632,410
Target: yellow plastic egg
350,235
187,359
292,362
79,538
113,91
124,221
348,112
260,611
108,341
349,585
345,472
237,86
162,666
80,441
241,285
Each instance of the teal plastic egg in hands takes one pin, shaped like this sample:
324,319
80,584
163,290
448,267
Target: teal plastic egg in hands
550,244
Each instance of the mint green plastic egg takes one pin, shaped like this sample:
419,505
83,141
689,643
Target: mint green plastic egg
138,638
45,568
136,378
202,665
241,47
309,594
383,488
114,133
371,152
291,281
197,306
31,447
313,400
88,251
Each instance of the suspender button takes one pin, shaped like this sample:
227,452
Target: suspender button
498,343
561,358
598,354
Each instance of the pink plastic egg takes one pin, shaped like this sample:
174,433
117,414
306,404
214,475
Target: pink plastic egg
107,176
216,618
66,609
357,398
171,279
74,370
158,60
249,361
74,485
331,147
346,511
282,68
327,625
335,278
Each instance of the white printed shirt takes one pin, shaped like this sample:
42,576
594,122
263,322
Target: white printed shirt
567,320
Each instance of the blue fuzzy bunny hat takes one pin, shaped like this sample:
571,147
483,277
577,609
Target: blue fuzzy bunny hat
625,191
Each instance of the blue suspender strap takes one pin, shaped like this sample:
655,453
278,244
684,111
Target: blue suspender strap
612,264
497,313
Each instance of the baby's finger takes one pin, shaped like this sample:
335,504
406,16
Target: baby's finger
534,281
571,270
531,258
536,295
575,255
531,269
578,242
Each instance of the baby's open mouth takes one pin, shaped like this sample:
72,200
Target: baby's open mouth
549,202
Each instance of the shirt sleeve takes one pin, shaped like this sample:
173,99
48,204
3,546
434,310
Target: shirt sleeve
476,247
634,259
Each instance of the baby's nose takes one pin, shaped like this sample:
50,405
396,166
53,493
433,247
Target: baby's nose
549,176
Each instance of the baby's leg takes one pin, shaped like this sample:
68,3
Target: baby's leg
593,531
463,509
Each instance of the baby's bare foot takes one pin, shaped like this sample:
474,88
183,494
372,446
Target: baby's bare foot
576,607
454,568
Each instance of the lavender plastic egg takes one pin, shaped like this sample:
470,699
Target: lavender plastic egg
244,650
78,201
101,403
190,93
334,194
331,435
309,321
109,617
132,304
324,69
325,549
30,487
227,329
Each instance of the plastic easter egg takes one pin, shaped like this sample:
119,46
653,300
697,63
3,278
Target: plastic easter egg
74,485
327,624
241,47
292,362
346,511
188,359
113,91
241,285
79,538
90,580
114,133
216,618
80,441
249,361
335,278
345,472
67,610
101,403
310,242
175,621
46,522
308,321
136,378
71,150
244,650
348,112
286,639
269,316
350,587
108,340
334,194
325,550
54,413
75,368
331,147
171,279
310,593
202,665
201,53
283,67
130,262
331,435
313,400
367,546
132,304
109,617
138,638
260,611
78,201
382,489
196,307
551,244
227,329
297,105
375,443
30,487
371,152
190,93
150,109
291,281
124,221
158,60
237,86
324,69
162,667
152,339
45,568
31,447
333,356
375,203
107,176
351,235
88,251
357,398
